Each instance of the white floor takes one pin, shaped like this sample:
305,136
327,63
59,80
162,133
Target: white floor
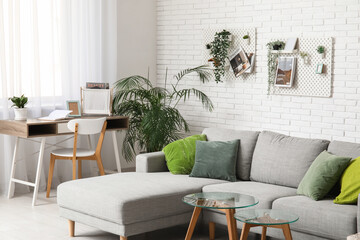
20,221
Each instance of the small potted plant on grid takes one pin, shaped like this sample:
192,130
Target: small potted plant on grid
321,51
208,47
305,57
247,38
19,107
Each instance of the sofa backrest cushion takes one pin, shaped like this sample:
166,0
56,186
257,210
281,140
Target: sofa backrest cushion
284,160
344,149
246,147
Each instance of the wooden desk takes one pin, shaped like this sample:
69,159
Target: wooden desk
34,128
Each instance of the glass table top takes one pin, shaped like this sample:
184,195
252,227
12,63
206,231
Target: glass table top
266,216
220,200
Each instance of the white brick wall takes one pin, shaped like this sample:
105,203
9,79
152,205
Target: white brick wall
245,104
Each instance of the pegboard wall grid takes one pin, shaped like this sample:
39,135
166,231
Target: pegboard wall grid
306,82
236,43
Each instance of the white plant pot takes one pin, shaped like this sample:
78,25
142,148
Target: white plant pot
322,55
248,41
231,38
305,60
20,113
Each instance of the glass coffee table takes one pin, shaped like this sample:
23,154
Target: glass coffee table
266,218
221,201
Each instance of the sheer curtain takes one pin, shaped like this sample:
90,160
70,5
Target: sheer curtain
48,49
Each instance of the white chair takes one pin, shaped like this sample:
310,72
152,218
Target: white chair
80,127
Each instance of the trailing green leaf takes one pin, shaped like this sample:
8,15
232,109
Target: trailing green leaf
219,52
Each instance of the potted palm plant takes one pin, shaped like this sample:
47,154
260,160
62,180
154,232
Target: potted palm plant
154,120
19,107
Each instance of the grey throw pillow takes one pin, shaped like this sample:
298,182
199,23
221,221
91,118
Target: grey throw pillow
216,160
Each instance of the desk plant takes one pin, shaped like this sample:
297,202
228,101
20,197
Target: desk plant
219,52
154,120
272,60
19,107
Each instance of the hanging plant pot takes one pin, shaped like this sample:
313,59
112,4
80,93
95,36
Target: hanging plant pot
20,113
277,47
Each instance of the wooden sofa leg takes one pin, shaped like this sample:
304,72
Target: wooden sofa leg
123,238
72,228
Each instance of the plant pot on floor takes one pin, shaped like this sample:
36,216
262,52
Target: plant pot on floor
20,113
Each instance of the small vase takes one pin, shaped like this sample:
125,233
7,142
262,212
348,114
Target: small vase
20,113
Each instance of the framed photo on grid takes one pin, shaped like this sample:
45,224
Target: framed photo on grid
285,72
75,107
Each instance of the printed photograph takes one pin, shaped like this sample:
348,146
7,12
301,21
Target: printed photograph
285,71
239,62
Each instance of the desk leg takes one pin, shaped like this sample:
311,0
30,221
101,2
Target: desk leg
13,165
116,150
38,171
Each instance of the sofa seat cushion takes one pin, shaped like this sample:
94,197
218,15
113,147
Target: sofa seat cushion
284,160
126,198
322,218
265,193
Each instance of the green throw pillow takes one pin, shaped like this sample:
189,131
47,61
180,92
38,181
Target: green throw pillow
216,160
180,155
350,184
322,175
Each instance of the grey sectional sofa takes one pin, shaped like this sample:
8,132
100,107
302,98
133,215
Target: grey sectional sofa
269,166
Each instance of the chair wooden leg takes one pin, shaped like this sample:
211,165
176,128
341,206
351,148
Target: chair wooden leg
123,238
51,173
100,165
71,228
74,168
79,169
211,230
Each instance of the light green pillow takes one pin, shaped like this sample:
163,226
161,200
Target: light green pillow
322,175
180,155
350,184
216,160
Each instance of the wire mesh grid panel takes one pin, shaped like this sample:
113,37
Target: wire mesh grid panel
306,81
237,43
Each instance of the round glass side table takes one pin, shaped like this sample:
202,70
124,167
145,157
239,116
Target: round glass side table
266,218
221,201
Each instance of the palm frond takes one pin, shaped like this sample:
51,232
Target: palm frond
132,82
185,94
203,71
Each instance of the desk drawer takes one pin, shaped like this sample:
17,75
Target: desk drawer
62,128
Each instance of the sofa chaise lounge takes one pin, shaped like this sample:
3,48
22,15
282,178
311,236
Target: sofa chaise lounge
270,167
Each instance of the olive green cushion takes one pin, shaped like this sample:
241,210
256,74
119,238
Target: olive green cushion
350,184
322,175
180,155
216,160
